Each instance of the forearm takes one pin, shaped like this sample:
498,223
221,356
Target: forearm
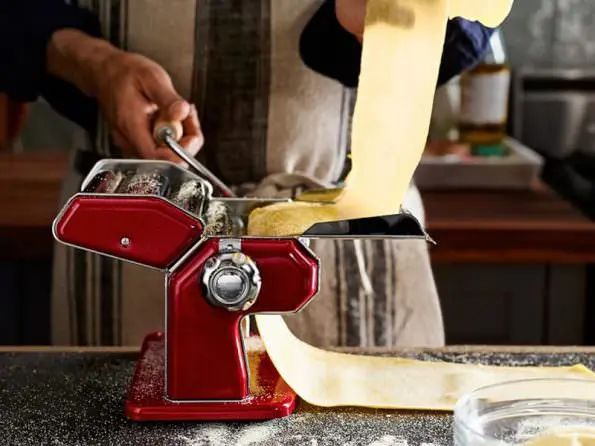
76,58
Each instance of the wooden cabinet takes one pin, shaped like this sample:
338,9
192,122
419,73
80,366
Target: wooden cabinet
513,304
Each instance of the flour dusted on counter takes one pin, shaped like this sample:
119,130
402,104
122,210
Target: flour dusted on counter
389,440
222,435
268,434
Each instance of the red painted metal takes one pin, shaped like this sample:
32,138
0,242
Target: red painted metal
272,397
158,232
199,331
197,370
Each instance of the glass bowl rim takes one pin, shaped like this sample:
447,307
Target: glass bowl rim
462,401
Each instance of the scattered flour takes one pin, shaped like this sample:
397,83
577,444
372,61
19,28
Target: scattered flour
254,344
223,435
254,435
214,436
389,440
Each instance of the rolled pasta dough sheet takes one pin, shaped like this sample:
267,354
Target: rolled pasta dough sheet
392,113
328,379
403,42
391,118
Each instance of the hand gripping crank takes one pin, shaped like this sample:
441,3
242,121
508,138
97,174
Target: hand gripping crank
169,133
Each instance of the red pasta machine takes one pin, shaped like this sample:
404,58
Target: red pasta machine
203,366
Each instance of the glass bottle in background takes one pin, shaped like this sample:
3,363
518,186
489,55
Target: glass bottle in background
444,124
484,101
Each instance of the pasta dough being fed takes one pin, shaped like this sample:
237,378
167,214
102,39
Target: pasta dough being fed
403,43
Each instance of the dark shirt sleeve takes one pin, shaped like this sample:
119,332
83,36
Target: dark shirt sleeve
26,27
326,47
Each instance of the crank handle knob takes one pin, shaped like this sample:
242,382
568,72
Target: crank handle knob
162,128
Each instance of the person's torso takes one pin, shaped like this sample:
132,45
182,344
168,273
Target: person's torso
262,110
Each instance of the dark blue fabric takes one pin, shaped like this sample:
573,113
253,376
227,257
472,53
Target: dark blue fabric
330,50
466,44
26,27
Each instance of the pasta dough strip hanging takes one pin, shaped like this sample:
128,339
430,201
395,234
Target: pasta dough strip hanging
403,42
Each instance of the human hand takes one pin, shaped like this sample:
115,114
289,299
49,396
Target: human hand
351,14
133,92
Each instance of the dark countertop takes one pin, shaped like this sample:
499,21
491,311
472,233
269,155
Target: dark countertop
75,397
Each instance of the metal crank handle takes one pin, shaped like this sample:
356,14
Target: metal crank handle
169,133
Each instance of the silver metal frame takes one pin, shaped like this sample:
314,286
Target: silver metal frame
117,164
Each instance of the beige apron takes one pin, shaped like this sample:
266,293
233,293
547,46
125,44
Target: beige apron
273,127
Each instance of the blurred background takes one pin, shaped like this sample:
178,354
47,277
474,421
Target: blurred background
508,183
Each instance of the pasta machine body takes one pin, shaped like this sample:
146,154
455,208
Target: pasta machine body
202,365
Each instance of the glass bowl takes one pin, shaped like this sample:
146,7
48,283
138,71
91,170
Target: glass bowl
527,412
